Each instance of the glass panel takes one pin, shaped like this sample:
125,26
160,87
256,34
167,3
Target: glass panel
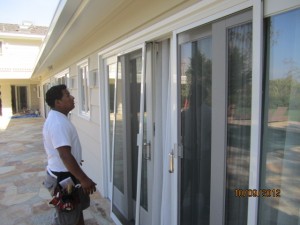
195,62
63,80
135,98
144,179
127,114
280,165
112,72
118,177
238,121
82,103
135,66
22,98
13,98
84,89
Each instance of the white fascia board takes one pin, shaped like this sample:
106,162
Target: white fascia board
22,36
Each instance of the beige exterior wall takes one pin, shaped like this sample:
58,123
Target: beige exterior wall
88,128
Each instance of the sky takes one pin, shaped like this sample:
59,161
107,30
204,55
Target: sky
40,12
285,48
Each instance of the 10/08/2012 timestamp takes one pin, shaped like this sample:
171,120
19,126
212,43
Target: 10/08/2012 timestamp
257,193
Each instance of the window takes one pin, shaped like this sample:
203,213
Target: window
84,92
62,77
280,161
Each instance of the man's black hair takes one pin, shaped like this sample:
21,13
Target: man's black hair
55,93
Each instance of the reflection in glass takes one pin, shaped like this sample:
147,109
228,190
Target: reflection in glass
135,90
144,180
280,164
112,72
84,103
118,176
238,121
135,75
195,62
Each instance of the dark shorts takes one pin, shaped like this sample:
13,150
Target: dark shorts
67,218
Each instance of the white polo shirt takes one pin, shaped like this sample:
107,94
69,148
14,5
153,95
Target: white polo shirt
58,131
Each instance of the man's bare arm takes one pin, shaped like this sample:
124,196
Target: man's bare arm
71,164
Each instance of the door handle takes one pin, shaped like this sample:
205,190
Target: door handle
171,162
147,150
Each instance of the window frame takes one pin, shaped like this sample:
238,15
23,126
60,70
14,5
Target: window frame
66,74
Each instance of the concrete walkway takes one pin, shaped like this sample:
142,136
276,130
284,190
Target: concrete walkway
23,199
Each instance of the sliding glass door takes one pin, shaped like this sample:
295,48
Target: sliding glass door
215,68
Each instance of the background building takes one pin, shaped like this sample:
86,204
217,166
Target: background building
19,49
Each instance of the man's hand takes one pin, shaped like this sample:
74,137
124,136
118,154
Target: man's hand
88,186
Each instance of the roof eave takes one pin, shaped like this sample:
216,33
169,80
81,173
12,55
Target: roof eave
4,35
63,14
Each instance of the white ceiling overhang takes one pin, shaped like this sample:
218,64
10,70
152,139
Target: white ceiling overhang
73,21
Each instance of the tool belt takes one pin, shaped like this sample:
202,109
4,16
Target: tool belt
66,193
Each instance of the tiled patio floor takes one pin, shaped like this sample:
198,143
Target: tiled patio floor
23,199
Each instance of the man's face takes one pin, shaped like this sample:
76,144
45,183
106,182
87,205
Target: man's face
66,103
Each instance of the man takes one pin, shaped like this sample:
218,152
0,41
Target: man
63,150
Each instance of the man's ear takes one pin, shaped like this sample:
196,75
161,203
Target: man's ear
57,102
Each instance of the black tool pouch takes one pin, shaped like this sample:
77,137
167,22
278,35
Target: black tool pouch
63,199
